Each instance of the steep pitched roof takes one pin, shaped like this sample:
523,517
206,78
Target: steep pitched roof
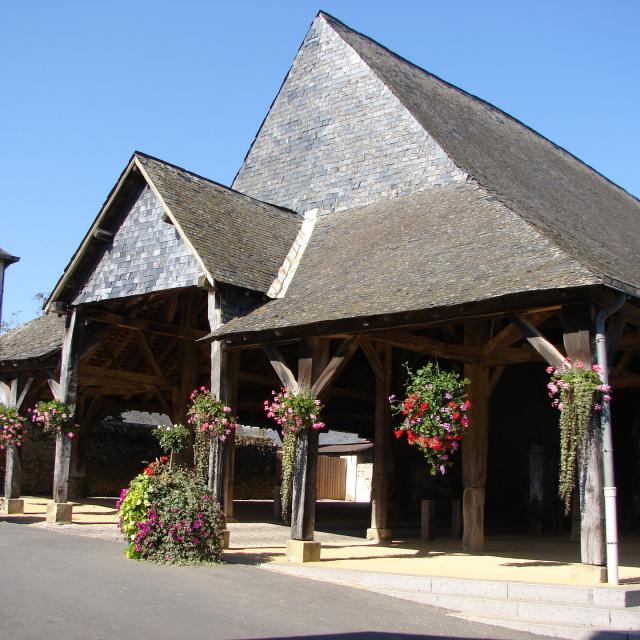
580,210
36,339
240,240
237,240
436,248
537,219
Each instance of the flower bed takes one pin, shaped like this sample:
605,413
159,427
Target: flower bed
169,516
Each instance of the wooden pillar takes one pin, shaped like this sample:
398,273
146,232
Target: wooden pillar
229,447
475,446
66,391
86,415
219,390
576,325
381,443
10,397
312,361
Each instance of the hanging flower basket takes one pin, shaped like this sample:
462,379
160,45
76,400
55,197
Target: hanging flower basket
578,393
12,427
55,418
434,414
209,415
293,413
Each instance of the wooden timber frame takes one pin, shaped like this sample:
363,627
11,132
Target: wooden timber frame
485,346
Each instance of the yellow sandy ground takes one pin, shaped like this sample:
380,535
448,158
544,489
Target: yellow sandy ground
526,559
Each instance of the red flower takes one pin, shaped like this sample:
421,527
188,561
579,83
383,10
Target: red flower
434,443
455,416
424,406
411,437
164,459
398,433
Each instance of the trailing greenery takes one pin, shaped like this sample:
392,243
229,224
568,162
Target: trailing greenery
169,516
577,392
12,427
54,417
201,449
434,413
292,412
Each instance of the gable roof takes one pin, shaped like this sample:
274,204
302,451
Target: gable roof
36,339
237,240
584,213
436,248
537,219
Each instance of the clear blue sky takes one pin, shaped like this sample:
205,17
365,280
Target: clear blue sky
86,83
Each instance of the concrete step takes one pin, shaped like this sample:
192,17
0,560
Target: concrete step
578,613
568,632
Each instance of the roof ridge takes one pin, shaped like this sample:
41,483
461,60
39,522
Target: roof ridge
482,101
211,181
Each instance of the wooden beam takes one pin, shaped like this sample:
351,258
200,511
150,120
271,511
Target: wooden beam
100,374
336,365
511,333
494,378
372,356
547,350
148,353
149,326
281,368
625,381
429,346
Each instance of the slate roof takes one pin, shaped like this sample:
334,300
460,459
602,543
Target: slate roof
584,213
241,241
435,248
36,339
7,258
532,218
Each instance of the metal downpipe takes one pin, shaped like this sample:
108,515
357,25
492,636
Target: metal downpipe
610,491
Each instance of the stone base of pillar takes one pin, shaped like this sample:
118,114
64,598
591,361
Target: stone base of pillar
379,534
13,506
59,512
225,537
299,551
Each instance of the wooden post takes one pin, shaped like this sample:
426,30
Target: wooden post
427,512
229,447
67,390
381,366
475,446
576,324
312,362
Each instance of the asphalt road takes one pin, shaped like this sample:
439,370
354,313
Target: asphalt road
58,586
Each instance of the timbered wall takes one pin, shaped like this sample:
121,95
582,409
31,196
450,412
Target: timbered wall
337,137
146,255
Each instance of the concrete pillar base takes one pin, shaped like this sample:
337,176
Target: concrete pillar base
59,512
225,537
379,534
13,506
299,551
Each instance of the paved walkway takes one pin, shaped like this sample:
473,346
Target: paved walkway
540,560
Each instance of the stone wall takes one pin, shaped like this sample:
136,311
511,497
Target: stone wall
146,254
336,137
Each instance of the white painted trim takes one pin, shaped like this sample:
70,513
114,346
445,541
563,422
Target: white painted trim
279,286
